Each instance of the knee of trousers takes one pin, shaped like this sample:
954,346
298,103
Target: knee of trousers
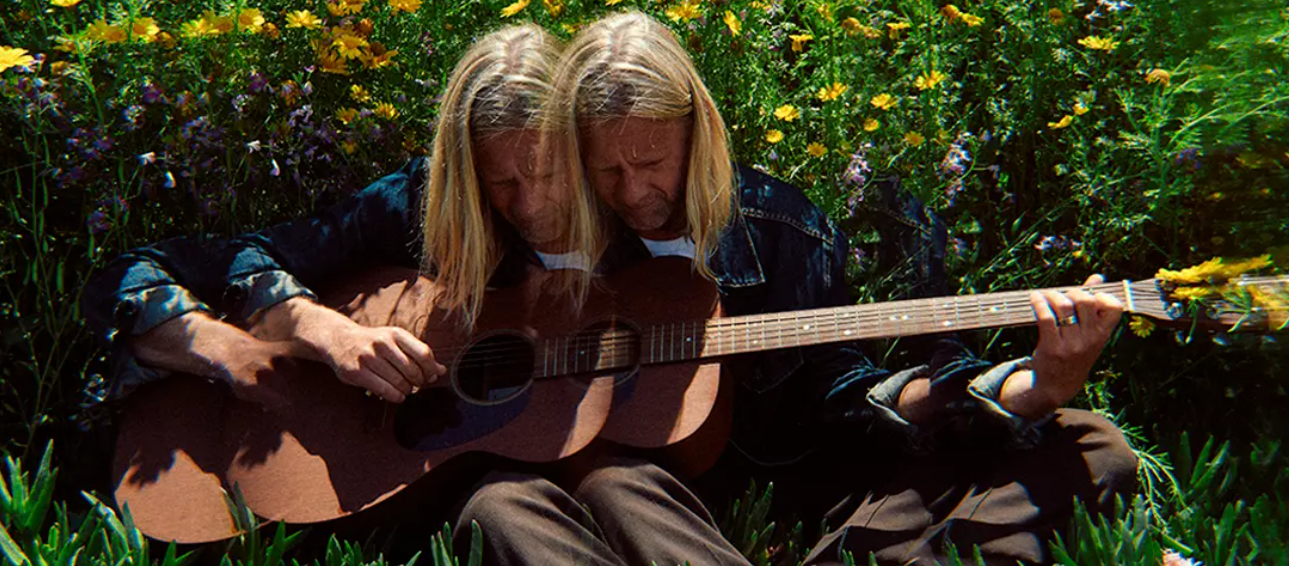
618,477
503,497
1111,461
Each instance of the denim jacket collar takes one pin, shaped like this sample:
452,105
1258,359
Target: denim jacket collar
736,263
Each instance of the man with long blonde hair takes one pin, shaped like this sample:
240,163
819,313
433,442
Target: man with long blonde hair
485,211
653,153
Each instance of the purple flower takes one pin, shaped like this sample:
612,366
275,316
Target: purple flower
240,101
1188,158
1057,243
152,94
773,156
957,159
257,83
276,170
955,187
253,146
307,88
856,175
148,158
98,222
133,116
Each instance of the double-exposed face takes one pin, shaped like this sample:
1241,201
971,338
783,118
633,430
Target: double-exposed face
516,172
637,167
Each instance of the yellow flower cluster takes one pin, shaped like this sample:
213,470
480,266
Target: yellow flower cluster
1213,270
953,14
409,6
684,11
250,20
302,19
883,101
341,8
349,41
854,27
1099,43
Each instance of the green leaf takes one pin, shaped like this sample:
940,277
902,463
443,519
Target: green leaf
9,548
476,545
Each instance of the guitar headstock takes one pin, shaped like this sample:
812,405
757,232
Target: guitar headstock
1245,304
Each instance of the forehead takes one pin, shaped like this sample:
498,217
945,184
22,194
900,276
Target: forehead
635,134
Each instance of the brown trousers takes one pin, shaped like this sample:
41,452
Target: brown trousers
625,512
1009,502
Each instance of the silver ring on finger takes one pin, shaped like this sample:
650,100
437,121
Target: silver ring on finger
1067,320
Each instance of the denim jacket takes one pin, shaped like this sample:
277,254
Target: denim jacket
780,253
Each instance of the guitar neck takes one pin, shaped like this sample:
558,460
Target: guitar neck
702,339
682,341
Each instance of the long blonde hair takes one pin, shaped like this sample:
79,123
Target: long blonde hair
630,65
503,82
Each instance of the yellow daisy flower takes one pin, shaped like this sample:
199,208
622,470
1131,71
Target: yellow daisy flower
871,125
929,80
385,110
1080,109
894,29
972,20
144,29
1158,76
349,147
251,19
1099,43
883,101
816,149
554,7
302,19
684,11
1065,121
409,6
787,113
914,139
100,30
359,94
349,46
347,115
198,28
829,93
732,22
951,12
612,2
774,136
14,57
1141,326
64,3
515,8
1055,16
799,41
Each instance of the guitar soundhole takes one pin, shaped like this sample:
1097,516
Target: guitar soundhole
495,369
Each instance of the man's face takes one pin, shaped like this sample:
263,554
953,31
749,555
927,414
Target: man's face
516,173
638,167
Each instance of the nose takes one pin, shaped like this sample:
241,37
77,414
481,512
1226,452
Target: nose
633,187
528,200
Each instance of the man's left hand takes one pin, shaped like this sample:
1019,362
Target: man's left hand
1073,328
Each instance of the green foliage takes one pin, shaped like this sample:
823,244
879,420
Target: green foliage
1046,157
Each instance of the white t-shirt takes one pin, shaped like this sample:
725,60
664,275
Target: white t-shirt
682,247
572,260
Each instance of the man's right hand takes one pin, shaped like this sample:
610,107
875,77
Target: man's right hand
387,361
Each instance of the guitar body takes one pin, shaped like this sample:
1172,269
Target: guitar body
335,451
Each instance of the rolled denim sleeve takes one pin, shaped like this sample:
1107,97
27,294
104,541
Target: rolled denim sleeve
144,288
986,390
378,225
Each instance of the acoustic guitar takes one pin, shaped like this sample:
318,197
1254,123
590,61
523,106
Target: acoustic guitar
536,381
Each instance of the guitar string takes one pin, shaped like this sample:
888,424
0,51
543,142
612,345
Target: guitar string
770,320
718,330
717,333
